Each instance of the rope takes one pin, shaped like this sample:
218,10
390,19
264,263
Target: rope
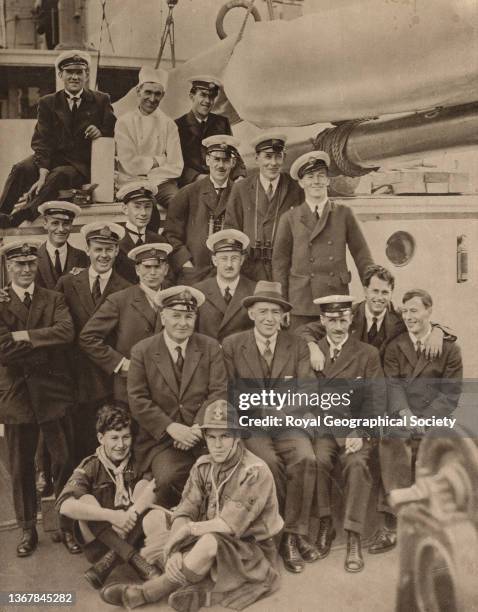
104,20
241,31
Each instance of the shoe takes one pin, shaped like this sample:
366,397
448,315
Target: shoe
128,595
293,562
99,572
188,599
325,537
307,551
28,543
144,570
354,560
70,544
384,539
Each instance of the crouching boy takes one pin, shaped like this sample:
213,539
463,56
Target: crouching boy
220,546
107,498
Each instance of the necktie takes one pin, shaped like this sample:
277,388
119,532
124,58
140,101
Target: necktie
336,354
140,240
227,295
180,359
219,191
27,300
419,345
267,354
316,212
74,108
96,292
58,269
372,332
270,192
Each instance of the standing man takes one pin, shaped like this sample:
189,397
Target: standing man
265,354
310,250
68,121
172,377
56,256
147,141
222,314
198,210
357,365
35,383
257,203
197,125
138,206
126,317
84,293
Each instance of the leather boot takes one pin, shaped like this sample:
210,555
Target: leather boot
384,540
144,570
325,536
307,551
354,560
99,572
289,551
28,543
70,543
128,595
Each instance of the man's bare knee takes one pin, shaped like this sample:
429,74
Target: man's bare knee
207,544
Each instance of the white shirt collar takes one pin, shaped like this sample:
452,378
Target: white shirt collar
336,346
78,95
51,250
222,284
414,339
104,276
216,185
319,207
199,119
133,228
261,341
266,182
172,344
20,291
150,294
369,316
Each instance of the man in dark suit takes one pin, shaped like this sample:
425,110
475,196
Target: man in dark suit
310,249
68,121
257,203
36,388
265,354
222,314
349,364
200,123
126,317
198,210
172,377
84,293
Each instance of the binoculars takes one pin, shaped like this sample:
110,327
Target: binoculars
261,251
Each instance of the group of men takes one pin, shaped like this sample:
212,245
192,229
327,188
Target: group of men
134,343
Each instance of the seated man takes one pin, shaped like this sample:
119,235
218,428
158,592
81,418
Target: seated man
68,121
107,497
222,313
358,364
126,317
267,354
221,539
172,377
147,141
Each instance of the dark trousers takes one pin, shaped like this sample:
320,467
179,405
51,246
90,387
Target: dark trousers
107,539
21,444
23,175
357,477
291,459
397,465
171,467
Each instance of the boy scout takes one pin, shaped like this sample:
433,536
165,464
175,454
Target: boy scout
310,249
107,497
222,313
221,539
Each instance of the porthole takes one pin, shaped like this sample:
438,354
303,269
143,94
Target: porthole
400,248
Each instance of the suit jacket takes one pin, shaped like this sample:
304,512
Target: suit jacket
122,320
35,382
156,400
93,383
218,320
191,135
56,142
187,226
309,257
248,197
427,388
46,275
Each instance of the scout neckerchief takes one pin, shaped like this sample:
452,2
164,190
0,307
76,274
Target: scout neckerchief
116,473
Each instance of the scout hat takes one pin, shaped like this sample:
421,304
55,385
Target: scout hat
309,162
102,231
59,209
152,75
155,251
267,291
180,296
137,190
73,58
333,306
271,140
227,240
220,415
207,83
21,250
222,143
